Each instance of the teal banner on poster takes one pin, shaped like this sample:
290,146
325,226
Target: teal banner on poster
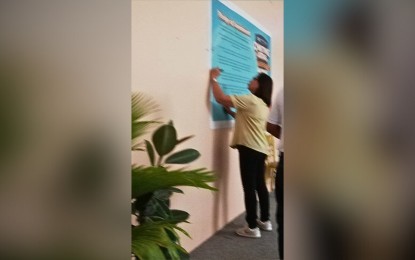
241,49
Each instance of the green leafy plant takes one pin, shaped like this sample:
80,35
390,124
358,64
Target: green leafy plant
156,235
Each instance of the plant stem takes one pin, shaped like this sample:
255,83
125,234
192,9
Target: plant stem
159,161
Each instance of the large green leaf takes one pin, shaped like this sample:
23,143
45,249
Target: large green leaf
164,194
182,157
150,152
173,189
149,179
166,215
142,106
159,204
178,216
139,128
140,203
147,239
145,249
174,253
164,139
180,229
184,139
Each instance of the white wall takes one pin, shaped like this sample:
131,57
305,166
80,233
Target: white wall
170,62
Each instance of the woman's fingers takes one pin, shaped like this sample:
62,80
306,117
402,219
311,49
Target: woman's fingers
215,72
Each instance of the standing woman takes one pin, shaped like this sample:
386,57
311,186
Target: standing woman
249,138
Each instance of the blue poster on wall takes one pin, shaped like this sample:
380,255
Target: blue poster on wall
241,50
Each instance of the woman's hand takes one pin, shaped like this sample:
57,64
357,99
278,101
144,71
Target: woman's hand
214,73
217,91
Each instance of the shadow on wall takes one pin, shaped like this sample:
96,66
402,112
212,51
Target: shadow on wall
220,165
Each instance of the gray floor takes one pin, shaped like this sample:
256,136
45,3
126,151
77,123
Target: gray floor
225,244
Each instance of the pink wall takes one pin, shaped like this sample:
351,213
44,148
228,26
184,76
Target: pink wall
170,62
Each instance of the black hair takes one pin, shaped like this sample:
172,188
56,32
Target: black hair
264,90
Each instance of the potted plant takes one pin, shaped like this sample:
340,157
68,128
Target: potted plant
155,232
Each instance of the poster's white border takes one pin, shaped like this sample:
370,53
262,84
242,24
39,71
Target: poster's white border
241,12
236,9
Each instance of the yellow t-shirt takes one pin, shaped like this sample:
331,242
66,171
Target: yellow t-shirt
250,122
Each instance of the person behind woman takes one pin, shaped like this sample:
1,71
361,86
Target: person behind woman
275,127
249,138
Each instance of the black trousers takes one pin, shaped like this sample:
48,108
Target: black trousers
252,166
279,195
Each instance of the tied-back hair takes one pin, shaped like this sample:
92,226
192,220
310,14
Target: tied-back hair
264,90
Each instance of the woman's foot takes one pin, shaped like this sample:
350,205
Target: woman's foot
248,232
266,225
